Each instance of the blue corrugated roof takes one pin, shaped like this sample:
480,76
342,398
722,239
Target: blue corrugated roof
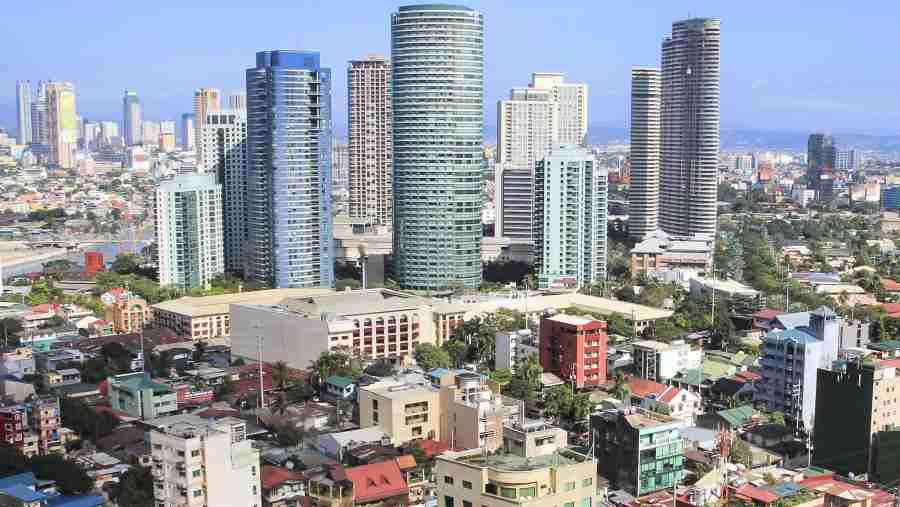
792,320
23,493
795,335
26,479
76,501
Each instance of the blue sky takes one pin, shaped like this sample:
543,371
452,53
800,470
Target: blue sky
786,65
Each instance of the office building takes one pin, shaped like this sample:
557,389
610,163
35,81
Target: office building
40,121
689,143
437,65
659,361
189,230
109,131
225,144
370,324
188,138
638,450
23,112
150,131
138,396
821,161
237,101
132,124
514,202
855,401
201,462
570,210
62,123
846,160
206,100
574,349
289,222
533,468
643,191
370,139
527,126
572,107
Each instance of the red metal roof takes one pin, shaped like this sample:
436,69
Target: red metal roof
377,481
272,476
760,495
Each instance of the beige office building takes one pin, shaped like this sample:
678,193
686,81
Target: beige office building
206,100
533,468
527,126
204,463
370,140
62,123
572,105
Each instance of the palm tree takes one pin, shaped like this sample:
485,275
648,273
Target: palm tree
620,388
280,374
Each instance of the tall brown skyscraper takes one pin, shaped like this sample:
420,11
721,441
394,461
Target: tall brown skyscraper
370,140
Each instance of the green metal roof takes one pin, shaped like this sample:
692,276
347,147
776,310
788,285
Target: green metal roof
337,380
737,416
885,346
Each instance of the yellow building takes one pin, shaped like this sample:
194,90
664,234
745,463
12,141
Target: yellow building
128,315
405,408
62,123
534,468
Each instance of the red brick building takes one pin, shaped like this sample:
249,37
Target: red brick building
93,262
574,348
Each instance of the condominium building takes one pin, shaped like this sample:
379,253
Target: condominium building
514,202
138,396
855,401
660,361
132,126
23,112
225,145
368,324
437,65
643,191
62,123
370,139
237,101
527,126
847,160
572,106
638,450
150,131
40,122
109,131
188,135
574,349
821,159
461,408
206,100
32,427
533,468
789,362
689,145
513,347
189,232
200,462
570,210
289,222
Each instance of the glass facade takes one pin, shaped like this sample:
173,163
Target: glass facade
131,119
437,56
289,224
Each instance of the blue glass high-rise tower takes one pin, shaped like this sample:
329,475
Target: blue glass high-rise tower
288,209
437,60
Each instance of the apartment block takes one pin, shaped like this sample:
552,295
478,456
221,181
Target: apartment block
198,462
137,395
638,450
533,468
512,347
574,349
659,361
405,409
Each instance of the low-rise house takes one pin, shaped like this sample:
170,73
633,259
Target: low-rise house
340,388
281,487
15,389
54,359
336,444
18,361
677,403
24,490
63,377
378,483
138,396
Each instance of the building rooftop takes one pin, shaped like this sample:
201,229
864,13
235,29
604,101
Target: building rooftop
504,462
402,386
217,305
356,302
793,335
572,320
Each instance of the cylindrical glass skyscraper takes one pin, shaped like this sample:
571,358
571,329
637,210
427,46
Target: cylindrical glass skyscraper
437,56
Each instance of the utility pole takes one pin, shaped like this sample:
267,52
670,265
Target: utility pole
259,342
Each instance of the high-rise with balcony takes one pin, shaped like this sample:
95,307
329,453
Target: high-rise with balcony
570,210
200,462
225,145
689,149
39,120
132,126
370,139
189,230
289,223
237,101
643,192
188,137
571,102
23,112
527,126
437,65
62,124
206,100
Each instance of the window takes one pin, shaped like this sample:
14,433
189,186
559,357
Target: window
586,502
448,501
490,488
587,482
196,473
374,417
467,503
198,493
528,492
195,453
569,504
569,486
508,492
181,453
467,484
448,479
374,404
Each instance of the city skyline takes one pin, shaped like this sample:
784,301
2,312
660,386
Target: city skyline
764,86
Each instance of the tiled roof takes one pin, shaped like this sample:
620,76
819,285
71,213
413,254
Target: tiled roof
406,462
377,481
272,476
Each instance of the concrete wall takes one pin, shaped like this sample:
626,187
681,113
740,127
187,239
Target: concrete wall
287,337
